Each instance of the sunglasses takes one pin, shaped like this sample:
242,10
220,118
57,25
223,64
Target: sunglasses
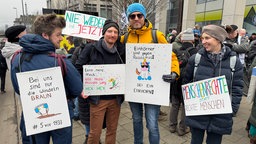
144,66
133,16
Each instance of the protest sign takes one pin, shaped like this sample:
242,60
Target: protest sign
83,25
43,100
145,65
104,79
205,97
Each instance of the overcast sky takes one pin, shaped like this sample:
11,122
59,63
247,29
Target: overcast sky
8,11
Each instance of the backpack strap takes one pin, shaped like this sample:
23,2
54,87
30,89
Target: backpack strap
154,36
61,62
232,64
197,60
126,37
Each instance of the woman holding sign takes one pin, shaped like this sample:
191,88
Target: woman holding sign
214,61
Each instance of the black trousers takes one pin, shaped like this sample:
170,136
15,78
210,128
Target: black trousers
3,75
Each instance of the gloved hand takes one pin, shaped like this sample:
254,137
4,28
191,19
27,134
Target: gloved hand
170,78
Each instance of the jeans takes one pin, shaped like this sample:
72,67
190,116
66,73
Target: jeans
76,110
59,136
25,139
151,115
87,129
197,137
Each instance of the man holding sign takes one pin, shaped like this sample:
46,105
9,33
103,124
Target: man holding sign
36,55
214,62
140,31
108,50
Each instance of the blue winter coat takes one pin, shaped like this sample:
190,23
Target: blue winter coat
36,48
219,123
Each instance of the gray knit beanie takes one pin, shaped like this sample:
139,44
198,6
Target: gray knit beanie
216,32
188,35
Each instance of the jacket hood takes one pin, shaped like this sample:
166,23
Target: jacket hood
147,26
34,43
9,49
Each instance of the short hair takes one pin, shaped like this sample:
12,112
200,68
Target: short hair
48,23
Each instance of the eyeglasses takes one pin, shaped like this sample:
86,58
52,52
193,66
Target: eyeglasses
133,16
144,66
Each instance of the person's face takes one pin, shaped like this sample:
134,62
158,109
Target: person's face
210,44
136,20
233,34
111,35
55,37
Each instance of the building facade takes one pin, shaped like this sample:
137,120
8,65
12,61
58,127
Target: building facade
173,14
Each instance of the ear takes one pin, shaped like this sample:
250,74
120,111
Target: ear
46,36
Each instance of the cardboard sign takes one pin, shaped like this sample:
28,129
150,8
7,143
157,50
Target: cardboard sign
104,79
145,65
43,100
206,97
83,25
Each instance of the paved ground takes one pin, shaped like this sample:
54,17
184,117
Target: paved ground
10,110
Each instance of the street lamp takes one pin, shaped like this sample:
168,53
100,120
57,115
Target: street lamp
16,12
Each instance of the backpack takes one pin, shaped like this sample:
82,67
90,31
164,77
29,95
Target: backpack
183,56
232,65
153,33
59,57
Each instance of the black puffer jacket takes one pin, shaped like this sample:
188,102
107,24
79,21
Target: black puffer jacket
219,123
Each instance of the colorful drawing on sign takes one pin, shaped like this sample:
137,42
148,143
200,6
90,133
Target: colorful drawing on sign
144,73
113,83
43,110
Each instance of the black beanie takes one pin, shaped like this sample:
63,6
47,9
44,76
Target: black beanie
109,23
12,32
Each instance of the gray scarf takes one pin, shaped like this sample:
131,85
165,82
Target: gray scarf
110,50
217,57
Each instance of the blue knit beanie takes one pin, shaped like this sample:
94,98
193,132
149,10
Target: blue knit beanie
136,7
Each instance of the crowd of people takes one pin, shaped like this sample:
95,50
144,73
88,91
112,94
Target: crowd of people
215,44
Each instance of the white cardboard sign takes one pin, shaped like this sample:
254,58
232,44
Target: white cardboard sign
145,65
206,97
104,79
83,25
43,100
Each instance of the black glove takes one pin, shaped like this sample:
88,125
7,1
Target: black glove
170,78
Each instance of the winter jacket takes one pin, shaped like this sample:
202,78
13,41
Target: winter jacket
93,54
36,48
218,123
8,50
238,48
144,35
